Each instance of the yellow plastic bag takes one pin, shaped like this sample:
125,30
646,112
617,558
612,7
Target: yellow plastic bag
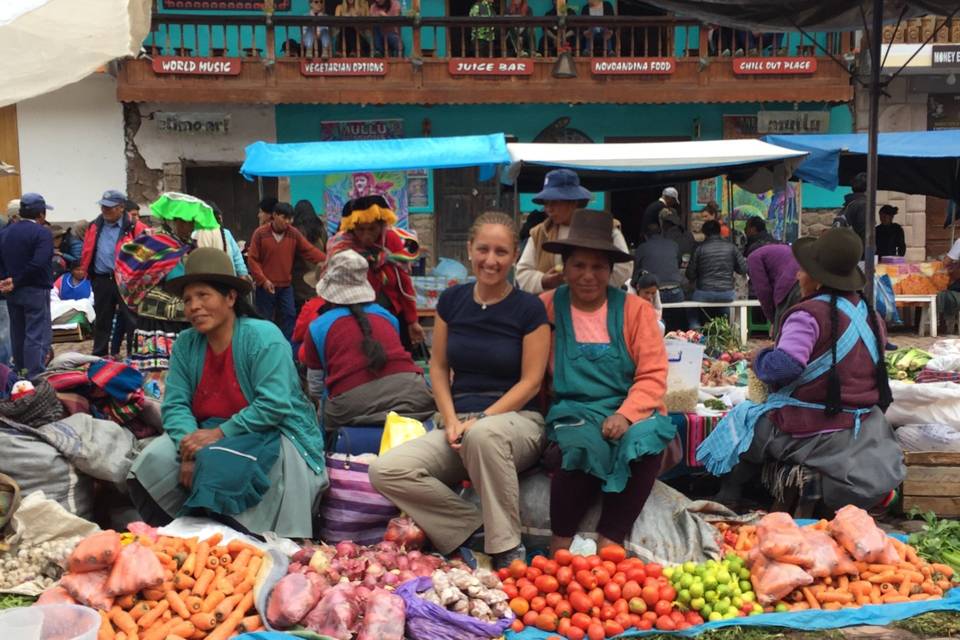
397,430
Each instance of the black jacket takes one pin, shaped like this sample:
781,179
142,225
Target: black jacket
890,240
713,263
758,241
853,214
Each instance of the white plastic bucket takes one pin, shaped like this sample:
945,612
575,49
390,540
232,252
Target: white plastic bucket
685,361
45,622
21,623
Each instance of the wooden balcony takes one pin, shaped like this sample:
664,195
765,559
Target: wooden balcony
470,60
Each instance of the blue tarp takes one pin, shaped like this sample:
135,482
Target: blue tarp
316,158
915,162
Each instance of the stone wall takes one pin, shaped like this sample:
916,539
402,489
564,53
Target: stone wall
425,227
814,222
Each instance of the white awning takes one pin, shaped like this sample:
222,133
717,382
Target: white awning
47,44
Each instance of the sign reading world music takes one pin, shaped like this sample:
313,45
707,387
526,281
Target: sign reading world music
774,66
197,66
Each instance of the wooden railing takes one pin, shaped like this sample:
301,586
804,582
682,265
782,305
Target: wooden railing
415,37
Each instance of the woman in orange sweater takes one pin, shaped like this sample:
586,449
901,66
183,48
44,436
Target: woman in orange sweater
609,370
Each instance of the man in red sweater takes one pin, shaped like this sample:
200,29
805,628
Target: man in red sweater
270,256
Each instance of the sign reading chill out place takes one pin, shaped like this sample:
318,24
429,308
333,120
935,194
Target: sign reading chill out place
488,67
197,66
774,66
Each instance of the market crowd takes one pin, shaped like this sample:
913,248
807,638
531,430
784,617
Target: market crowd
264,353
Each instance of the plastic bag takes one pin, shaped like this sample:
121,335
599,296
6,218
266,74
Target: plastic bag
856,532
450,269
88,588
136,568
826,556
95,552
397,430
291,600
885,301
781,539
773,580
55,595
384,618
405,532
429,621
337,614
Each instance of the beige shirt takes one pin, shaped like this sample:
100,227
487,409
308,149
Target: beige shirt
530,279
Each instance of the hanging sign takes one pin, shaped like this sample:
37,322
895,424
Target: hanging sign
793,122
482,67
361,129
946,55
349,67
223,5
196,123
197,66
631,66
774,66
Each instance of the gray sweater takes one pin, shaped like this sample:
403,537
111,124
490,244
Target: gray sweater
713,264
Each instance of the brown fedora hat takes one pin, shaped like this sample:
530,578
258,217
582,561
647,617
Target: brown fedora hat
832,259
208,265
590,229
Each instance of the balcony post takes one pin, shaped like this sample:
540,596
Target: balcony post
270,53
415,8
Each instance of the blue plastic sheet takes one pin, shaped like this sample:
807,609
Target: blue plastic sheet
810,620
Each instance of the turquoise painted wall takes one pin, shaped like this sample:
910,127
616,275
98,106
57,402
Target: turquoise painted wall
299,123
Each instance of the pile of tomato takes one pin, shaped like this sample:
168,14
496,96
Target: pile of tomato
592,597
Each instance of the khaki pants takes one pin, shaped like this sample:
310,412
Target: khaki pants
418,477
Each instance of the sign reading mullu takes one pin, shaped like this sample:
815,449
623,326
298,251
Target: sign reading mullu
197,66
793,122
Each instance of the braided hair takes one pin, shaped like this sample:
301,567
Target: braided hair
372,349
834,404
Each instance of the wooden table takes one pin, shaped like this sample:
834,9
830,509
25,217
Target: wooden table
737,308
928,309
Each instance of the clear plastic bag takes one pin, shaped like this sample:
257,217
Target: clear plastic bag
337,614
772,580
291,600
429,621
856,532
780,539
384,618
95,552
88,588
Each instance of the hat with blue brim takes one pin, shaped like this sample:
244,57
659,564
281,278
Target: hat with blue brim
562,184
112,198
33,203
181,206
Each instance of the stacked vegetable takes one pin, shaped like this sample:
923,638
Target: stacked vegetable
846,562
163,589
40,564
905,364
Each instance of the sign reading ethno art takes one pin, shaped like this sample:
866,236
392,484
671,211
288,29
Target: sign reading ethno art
481,67
192,123
351,67
774,66
631,66
793,122
197,66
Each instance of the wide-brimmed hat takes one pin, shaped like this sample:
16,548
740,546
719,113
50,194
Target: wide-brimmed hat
590,230
207,264
172,205
562,184
832,259
366,210
344,280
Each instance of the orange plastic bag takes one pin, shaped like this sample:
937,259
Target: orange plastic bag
88,588
773,580
136,568
856,532
782,540
95,552
825,555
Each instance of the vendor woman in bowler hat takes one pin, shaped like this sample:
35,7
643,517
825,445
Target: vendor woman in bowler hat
540,270
829,390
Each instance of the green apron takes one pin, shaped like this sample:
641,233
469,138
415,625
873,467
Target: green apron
590,382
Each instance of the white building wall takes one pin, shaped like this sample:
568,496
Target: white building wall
71,146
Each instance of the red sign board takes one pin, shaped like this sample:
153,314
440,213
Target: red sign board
197,66
774,66
344,67
631,66
488,67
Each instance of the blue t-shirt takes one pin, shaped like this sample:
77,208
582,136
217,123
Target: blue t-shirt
106,250
485,346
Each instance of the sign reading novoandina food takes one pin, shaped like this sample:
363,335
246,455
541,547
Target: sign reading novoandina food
631,66
197,66
482,67
223,5
345,67
774,66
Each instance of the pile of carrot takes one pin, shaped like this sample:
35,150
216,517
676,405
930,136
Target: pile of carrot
207,594
911,578
736,538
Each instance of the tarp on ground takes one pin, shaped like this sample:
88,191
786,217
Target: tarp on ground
344,156
915,162
753,164
48,44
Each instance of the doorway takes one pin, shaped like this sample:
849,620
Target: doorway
628,205
460,198
236,196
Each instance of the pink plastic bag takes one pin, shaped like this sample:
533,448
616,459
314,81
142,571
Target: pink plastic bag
772,580
136,568
337,614
291,600
88,588
384,617
856,532
95,552
55,595
781,539
826,556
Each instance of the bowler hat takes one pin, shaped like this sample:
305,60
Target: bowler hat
210,265
562,184
590,230
832,259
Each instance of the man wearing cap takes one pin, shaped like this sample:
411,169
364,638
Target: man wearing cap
538,270
660,256
103,239
669,199
12,215
890,240
26,252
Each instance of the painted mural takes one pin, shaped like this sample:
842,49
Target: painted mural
781,210
340,187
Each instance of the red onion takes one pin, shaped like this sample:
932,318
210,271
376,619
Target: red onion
347,549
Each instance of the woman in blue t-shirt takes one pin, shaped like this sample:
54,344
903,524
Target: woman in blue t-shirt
491,343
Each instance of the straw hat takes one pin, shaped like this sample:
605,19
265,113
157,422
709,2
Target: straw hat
590,230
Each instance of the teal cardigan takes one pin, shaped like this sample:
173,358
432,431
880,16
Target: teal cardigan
265,370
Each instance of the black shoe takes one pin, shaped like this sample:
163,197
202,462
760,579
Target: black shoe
891,347
502,560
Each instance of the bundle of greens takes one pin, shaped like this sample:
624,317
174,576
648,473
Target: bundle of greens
938,541
905,364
